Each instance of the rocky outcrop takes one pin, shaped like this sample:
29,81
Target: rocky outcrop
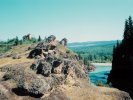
51,38
64,41
52,70
44,68
27,37
48,47
55,64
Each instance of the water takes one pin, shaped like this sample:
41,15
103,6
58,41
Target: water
100,74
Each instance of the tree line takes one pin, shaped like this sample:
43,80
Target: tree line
6,45
96,54
121,75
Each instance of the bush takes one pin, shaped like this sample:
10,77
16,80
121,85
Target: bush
68,51
100,83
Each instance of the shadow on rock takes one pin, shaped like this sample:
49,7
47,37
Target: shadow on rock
23,92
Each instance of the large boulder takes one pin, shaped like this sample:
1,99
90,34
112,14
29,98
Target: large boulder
64,41
30,84
43,49
35,53
51,38
44,68
57,66
38,87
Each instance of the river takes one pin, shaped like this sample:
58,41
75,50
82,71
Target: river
101,72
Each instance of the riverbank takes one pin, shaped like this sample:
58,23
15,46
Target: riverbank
100,74
102,64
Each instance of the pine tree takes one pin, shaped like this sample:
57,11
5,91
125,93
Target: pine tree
16,41
121,75
80,57
39,38
126,31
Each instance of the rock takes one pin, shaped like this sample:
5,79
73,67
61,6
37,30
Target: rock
44,68
58,79
35,65
57,66
72,68
38,87
27,37
79,73
30,84
50,58
42,49
35,53
64,41
16,56
51,38
58,70
43,46
39,57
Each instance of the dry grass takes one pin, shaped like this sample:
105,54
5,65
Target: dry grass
22,50
61,48
19,49
92,92
9,60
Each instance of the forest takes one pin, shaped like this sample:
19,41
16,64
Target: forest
96,52
121,75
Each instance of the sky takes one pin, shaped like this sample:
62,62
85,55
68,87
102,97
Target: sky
77,20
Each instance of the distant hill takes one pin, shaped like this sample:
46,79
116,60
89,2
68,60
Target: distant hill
79,46
95,51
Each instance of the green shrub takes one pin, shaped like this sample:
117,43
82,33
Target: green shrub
68,51
100,83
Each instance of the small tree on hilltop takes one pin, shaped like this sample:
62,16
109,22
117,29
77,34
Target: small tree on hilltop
16,41
39,38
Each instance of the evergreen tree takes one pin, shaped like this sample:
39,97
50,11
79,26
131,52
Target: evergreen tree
39,38
80,57
16,41
85,61
126,31
117,45
121,75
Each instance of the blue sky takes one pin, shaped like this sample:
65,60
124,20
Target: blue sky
77,20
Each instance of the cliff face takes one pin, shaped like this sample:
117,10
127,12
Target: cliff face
51,72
